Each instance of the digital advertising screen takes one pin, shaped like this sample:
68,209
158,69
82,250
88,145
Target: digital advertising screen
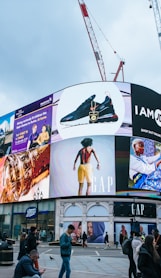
100,139
77,169
24,173
145,164
6,133
32,125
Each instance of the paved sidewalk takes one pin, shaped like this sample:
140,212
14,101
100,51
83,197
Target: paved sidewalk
82,267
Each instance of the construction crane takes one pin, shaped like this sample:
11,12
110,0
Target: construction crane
95,47
157,15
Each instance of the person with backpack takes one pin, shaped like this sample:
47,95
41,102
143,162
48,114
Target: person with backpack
127,250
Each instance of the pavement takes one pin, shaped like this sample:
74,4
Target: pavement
81,266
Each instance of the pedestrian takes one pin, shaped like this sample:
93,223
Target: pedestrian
32,242
157,238
123,234
84,237
136,244
149,259
23,246
65,251
106,240
25,266
132,265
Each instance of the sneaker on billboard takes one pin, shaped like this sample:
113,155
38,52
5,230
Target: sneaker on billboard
106,112
81,112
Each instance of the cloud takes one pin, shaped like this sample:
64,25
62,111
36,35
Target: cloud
45,46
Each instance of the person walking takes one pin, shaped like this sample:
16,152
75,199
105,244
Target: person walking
65,251
32,242
84,239
149,259
136,244
132,265
106,241
25,266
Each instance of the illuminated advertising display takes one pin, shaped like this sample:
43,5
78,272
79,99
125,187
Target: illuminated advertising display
146,113
145,164
75,171
23,173
32,125
83,140
6,133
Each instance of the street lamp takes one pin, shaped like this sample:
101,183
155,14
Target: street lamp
38,195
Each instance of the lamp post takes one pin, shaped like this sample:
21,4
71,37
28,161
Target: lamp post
38,196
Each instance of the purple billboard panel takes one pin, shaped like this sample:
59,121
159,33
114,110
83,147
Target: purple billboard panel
79,168
32,126
25,175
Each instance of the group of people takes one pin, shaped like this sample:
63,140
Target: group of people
28,256
145,255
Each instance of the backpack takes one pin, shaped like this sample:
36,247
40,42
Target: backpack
126,246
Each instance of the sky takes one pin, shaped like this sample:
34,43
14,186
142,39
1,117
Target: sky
44,46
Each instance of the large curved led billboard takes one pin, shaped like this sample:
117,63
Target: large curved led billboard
97,138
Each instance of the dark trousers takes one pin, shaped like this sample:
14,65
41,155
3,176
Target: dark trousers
132,267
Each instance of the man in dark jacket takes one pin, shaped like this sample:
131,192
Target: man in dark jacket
32,242
25,266
65,250
84,239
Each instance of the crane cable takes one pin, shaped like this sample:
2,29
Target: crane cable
114,51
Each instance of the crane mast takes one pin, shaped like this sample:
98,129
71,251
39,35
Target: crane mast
95,47
93,40
157,15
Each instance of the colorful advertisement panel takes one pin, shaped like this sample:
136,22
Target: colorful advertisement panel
23,174
109,114
95,231
77,171
32,125
6,133
145,164
88,107
131,176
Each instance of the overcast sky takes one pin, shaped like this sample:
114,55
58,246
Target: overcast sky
44,46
